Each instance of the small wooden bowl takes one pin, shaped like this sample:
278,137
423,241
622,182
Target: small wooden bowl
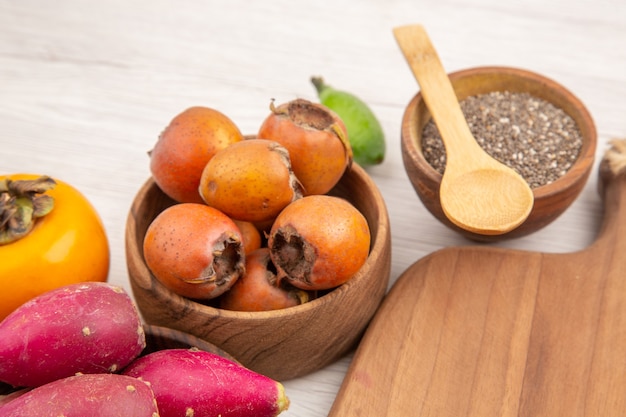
550,200
161,338
281,344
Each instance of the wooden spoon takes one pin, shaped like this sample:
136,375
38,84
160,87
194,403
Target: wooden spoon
478,193
481,331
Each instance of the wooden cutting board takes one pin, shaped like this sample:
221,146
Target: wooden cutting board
479,331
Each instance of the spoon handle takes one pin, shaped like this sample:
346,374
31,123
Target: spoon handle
436,88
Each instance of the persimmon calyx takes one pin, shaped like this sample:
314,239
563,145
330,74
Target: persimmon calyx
22,202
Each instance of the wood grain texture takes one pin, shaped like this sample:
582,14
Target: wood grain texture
160,338
491,332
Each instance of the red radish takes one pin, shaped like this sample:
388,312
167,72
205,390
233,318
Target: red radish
90,328
192,382
93,395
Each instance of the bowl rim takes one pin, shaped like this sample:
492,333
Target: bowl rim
156,332
579,169
379,241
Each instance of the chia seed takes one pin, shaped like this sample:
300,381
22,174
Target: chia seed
532,136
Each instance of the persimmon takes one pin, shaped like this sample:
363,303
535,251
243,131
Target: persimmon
319,242
182,150
194,250
250,180
317,141
42,251
259,288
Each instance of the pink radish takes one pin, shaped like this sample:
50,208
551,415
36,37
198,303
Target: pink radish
88,328
93,395
192,382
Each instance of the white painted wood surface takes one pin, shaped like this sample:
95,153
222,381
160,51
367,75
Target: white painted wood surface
86,87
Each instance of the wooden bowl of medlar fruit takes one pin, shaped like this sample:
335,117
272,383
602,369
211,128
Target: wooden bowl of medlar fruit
295,302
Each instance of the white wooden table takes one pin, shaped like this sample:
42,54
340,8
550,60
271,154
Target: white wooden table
86,87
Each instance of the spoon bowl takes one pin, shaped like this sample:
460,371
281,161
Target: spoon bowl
478,193
485,213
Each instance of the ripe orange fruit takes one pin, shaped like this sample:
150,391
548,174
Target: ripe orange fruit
185,146
250,235
259,289
194,250
250,180
66,246
319,242
317,141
